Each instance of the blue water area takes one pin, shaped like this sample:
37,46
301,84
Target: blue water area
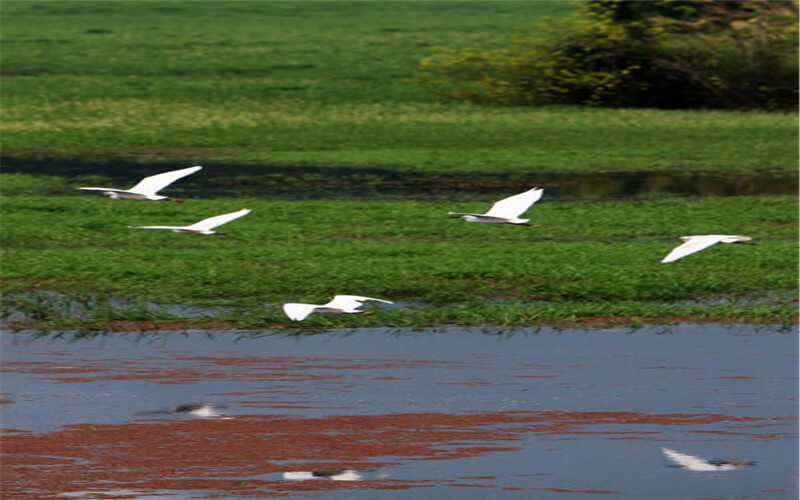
379,413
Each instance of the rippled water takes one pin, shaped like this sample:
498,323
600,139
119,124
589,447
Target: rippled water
393,414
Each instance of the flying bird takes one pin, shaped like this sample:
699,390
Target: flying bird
341,304
205,226
694,244
698,464
507,210
147,188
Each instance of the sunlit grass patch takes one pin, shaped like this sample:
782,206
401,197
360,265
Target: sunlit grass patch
278,83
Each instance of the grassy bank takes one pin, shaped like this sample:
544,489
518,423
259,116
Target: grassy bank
592,259
325,84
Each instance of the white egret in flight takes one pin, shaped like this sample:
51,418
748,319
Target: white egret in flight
507,210
205,226
341,304
147,188
694,244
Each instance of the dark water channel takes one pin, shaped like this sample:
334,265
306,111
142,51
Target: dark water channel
401,414
230,180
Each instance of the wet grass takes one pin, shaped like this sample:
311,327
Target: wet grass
592,259
325,84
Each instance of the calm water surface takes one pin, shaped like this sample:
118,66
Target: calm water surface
427,414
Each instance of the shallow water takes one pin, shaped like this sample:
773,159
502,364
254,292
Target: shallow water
225,180
428,414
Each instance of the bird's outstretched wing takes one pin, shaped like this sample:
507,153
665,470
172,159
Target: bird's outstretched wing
688,461
155,227
151,185
516,205
693,244
101,189
218,220
298,312
351,301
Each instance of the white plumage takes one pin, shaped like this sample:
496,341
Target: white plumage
205,226
148,187
507,210
341,304
699,242
698,464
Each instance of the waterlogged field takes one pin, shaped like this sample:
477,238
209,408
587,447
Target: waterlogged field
325,84
591,260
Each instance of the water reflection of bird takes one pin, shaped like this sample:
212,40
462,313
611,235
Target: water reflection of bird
197,409
507,210
334,474
200,410
698,464
205,226
694,244
341,304
146,188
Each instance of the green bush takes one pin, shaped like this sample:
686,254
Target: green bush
667,54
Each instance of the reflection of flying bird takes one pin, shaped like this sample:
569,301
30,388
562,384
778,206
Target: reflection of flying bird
341,304
507,210
147,188
200,410
336,475
205,226
196,409
696,243
698,464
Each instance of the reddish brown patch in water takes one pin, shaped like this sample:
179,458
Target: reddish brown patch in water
232,456
267,369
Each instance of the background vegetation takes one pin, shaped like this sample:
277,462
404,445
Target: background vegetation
324,84
736,54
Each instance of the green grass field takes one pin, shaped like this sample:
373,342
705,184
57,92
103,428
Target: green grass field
325,84
297,84
590,259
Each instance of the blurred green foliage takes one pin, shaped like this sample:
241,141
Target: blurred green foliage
664,54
